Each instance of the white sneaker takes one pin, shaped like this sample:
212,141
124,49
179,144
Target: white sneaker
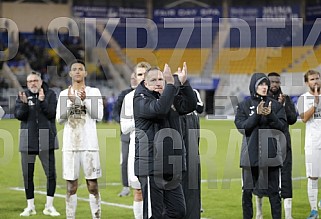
51,211
28,212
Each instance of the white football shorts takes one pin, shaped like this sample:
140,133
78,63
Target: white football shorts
132,179
88,160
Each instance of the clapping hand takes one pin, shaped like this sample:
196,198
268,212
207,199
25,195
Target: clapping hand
262,110
267,110
82,93
316,95
23,97
41,96
71,94
168,75
182,73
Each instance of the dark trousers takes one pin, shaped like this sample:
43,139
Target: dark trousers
286,175
124,163
47,159
265,180
165,204
191,184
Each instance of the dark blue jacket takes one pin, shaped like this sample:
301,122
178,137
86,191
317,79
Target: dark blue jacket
38,128
256,146
159,147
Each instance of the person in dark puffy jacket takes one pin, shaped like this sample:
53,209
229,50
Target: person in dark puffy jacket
262,122
36,109
159,146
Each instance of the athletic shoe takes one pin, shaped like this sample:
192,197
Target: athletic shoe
28,212
313,215
259,216
124,192
50,211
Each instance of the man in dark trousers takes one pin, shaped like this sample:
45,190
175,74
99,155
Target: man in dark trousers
286,170
36,109
191,182
159,147
262,122
139,70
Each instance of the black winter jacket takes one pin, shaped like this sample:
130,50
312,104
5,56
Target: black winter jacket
256,146
38,129
159,147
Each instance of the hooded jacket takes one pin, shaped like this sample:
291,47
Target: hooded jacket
38,129
263,136
159,147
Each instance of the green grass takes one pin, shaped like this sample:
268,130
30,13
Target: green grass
221,189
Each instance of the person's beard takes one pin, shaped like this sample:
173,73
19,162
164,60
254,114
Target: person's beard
312,89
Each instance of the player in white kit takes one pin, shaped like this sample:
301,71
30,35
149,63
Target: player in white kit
78,108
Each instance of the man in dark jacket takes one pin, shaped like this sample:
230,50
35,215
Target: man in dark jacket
286,170
262,121
139,71
36,109
191,182
159,147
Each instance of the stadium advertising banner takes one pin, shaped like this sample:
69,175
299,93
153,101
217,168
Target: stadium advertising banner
250,14
108,12
312,12
197,13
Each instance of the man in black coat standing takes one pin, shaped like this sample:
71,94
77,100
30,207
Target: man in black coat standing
159,146
262,122
36,109
286,171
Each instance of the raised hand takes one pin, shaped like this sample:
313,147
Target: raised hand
281,98
41,96
82,93
71,95
267,110
182,73
316,95
260,107
23,97
167,73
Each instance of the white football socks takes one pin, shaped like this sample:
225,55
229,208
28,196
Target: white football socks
258,206
95,205
71,206
31,203
313,193
138,209
49,202
287,207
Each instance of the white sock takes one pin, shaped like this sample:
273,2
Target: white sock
31,203
49,202
258,205
71,206
287,207
95,206
313,193
138,209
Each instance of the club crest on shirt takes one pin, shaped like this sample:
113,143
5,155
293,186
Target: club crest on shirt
251,110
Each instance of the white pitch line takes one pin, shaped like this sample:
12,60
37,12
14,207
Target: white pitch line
79,198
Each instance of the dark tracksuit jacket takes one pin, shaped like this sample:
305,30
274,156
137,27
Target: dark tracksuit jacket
159,147
38,137
260,152
286,171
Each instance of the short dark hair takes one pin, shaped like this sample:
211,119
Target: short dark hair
77,61
274,74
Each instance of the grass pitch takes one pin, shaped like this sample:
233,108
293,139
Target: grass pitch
221,183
